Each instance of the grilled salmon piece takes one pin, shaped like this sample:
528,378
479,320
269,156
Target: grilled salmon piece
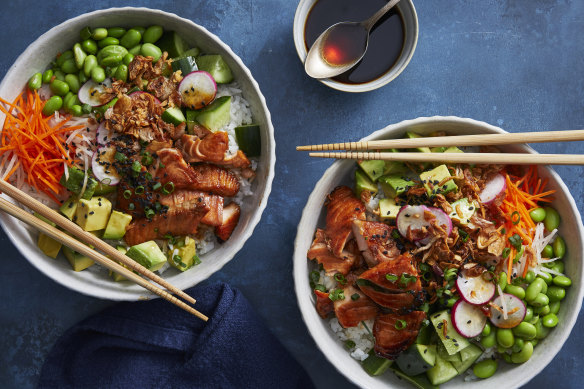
320,252
375,241
211,148
343,207
176,222
229,221
202,177
324,305
395,333
352,309
396,275
188,199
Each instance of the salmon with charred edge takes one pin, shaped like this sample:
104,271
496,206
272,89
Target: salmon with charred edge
374,240
351,311
203,177
331,264
324,305
229,221
187,199
343,207
212,148
395,333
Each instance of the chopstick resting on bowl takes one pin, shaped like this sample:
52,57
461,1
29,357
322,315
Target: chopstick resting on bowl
456,140
89,239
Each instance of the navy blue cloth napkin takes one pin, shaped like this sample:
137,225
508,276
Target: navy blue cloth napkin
153,344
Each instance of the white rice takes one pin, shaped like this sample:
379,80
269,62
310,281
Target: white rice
359,335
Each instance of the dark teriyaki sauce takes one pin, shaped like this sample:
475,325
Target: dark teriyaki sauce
385,42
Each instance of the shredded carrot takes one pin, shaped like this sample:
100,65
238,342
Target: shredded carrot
39,146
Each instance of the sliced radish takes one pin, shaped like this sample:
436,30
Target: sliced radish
495,187
515,311
468,320
475,290
140,93
197,89
412,217
91,92
104,135
102,166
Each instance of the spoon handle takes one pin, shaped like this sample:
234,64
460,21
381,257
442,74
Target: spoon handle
375,18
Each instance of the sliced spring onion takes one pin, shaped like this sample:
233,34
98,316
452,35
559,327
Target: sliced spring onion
400,324
127,194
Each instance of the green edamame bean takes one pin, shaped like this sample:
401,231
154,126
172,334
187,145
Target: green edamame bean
116,32
99,34
112,60
485,369
36,81
69,66
79,55
558,266
555,307
152,34
140,29
76,110
562,281
524,354
489,340
59,75
533,342
525,330
60,88
556,293
534,320
109,51
516,291
131,38
73,81
552,219
559,247
545,288
89,64
541,331
542,311
128,58
530,277
86,108
518,346
89,46
47,76
109,72
540,300
528,314
502,280
486,330
52,105
534,289
98,74
548,251
550,320
66,99
505,337
85,33
546,277
122,74
537,215
150,50
109,41
135,50
501,350
64,57
82,77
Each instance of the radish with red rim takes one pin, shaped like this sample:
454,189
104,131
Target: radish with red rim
91,93
102,166
468,320
475,290
493,188
197,89
515,311
412,218
103,135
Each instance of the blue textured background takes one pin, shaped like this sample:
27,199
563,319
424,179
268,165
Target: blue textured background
513,63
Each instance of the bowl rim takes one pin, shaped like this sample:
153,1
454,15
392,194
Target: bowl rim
15,230
384,79
321,333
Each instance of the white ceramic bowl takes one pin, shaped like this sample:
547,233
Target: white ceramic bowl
62,37
341,172
410,20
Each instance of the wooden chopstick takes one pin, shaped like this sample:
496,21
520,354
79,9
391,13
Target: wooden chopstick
79,247
481,158
86,237
446,141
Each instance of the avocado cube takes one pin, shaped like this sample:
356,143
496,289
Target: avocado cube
394,167
432,180
216,115
147,254
93,215
388,209
440,149
78,262
413,135
75,182
373,169
115,276
184,256
69,207
48,245
453,149
462,210
116,225
363,183
395,185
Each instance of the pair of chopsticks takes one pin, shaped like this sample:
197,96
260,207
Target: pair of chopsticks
357,149
89,239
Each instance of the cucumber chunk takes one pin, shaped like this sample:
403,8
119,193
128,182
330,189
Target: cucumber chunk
216,115
452,340
249,139
172,43
468,355
419,381
174,116
185,65
441,372
375,365
417,359
75,183
217,67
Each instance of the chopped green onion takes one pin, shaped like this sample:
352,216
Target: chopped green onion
337,294
170,238
503,231
424,267
157,206
156,186
519,255
391,277
168,188
515,218
136,166
506,252
355,296
127,194
395,234
106,181
406,278
131,206
350,344
177,259
147,159
196,260
120,157
314,276
320,288
400,324
463,235
516,241
149,213
139,190
427,276
340,279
